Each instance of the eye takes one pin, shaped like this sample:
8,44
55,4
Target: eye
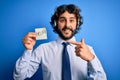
62,20
72,20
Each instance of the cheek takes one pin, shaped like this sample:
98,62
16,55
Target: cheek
74,26
61,26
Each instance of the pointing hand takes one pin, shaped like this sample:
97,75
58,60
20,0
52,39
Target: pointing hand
82,50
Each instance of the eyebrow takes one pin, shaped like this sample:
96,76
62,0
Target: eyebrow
69,18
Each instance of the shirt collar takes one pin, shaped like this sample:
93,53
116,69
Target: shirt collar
60,40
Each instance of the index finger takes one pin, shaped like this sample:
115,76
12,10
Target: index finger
31,34
75,43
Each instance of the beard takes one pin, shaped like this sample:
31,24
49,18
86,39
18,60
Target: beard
66,37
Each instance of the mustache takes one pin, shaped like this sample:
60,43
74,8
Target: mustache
67,28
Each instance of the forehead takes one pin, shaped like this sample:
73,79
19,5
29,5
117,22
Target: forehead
67,15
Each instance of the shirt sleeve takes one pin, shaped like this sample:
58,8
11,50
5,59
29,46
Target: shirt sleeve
95,70
27,64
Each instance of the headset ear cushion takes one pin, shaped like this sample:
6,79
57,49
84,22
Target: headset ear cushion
55,23
80,21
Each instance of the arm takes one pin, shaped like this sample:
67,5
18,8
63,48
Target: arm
95,70
23,67
29,62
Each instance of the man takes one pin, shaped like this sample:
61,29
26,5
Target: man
81,62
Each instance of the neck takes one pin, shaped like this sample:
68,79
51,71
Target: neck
69,40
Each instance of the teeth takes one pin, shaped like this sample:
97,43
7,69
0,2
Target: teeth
66,29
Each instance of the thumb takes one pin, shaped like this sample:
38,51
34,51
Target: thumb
82,41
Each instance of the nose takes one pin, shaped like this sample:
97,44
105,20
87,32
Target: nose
67,24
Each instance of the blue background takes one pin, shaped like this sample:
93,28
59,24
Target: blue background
100,29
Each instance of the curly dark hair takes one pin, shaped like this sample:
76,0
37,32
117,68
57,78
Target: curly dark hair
71,8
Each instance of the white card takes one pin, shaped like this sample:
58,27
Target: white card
41,33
